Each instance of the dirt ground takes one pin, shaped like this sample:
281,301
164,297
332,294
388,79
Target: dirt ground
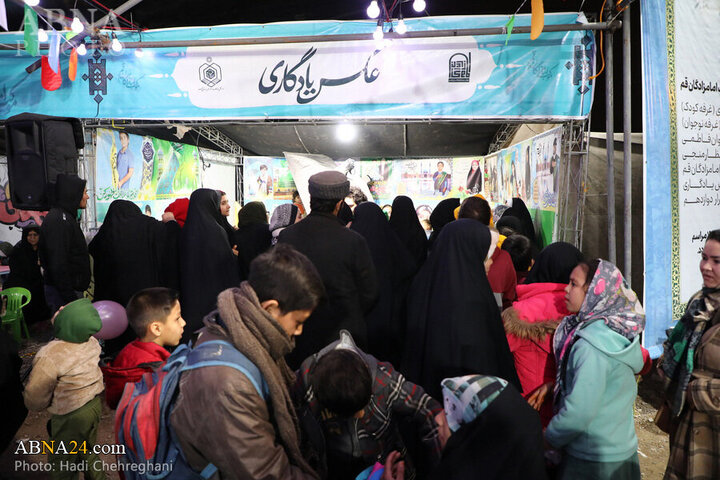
652,450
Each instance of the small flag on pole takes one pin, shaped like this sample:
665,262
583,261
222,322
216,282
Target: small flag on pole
509,27
54,52
3,15
72,65
51,80
537,18
30,24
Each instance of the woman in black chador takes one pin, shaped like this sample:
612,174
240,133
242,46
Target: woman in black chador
25,273
252,236
395,268
454,324
406,225
474,178
207,263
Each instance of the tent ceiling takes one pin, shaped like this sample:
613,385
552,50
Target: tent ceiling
410,139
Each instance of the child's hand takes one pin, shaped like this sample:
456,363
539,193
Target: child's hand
537,398
235,250
52,320
394,467
443,429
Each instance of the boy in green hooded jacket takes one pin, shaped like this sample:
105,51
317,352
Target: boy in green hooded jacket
67,381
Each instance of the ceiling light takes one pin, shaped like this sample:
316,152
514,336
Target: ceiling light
378,33
401,28
81,49
373,10
76,25
42,35
32,3
346,132
419,5
116,45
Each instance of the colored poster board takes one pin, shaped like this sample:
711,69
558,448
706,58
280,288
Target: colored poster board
148,171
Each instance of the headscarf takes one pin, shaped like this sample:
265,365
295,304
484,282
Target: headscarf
404,221
555,263
679,349
456,212
77,322
454,325
252,236
283,216
345,214
223,221
252,213
23,243
179,209
467,397
207,263
519,210
609,299
443,214
258,336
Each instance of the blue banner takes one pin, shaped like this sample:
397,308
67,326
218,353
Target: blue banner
444,77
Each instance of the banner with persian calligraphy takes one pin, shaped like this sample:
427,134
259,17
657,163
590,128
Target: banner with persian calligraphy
680,42
479,77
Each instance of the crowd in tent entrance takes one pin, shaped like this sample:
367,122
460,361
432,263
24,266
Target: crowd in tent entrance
345,343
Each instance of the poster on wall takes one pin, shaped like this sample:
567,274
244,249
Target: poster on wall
469,174
681,102
546,160
147,171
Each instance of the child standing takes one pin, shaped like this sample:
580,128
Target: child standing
67,380
155,317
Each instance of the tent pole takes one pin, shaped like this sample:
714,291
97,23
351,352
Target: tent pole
610,145
627,148
214,42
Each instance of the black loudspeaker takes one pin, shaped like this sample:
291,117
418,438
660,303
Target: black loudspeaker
40,147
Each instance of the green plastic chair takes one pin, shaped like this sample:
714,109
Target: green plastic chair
17,298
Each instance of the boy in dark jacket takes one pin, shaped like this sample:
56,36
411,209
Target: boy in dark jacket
358,403
63,250
248,428
155,317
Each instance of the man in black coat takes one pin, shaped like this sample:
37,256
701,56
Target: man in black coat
63,250
342,258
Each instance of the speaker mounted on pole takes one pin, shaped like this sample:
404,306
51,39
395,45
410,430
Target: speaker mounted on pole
39,147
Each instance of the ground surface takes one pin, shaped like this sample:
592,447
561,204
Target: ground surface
653,443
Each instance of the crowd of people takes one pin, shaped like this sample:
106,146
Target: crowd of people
369,349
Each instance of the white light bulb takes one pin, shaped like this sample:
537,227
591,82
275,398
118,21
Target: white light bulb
346,132
373,10
419,5
42,35
116,45
139,52
76,25
401,28
378,34
32,3
81,49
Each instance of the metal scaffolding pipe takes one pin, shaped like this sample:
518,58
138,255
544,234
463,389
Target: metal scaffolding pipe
217,42
610,146
627,148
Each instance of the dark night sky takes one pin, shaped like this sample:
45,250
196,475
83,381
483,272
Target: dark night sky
161,13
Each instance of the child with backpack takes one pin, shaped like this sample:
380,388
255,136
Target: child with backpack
357,403
67,381
242,419
155,317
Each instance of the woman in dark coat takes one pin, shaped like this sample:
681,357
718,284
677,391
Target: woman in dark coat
519,211
454,323
443,214
25,272
395,268
207,263
404,221
252,236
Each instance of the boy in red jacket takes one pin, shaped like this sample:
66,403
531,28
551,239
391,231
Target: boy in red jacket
154,314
